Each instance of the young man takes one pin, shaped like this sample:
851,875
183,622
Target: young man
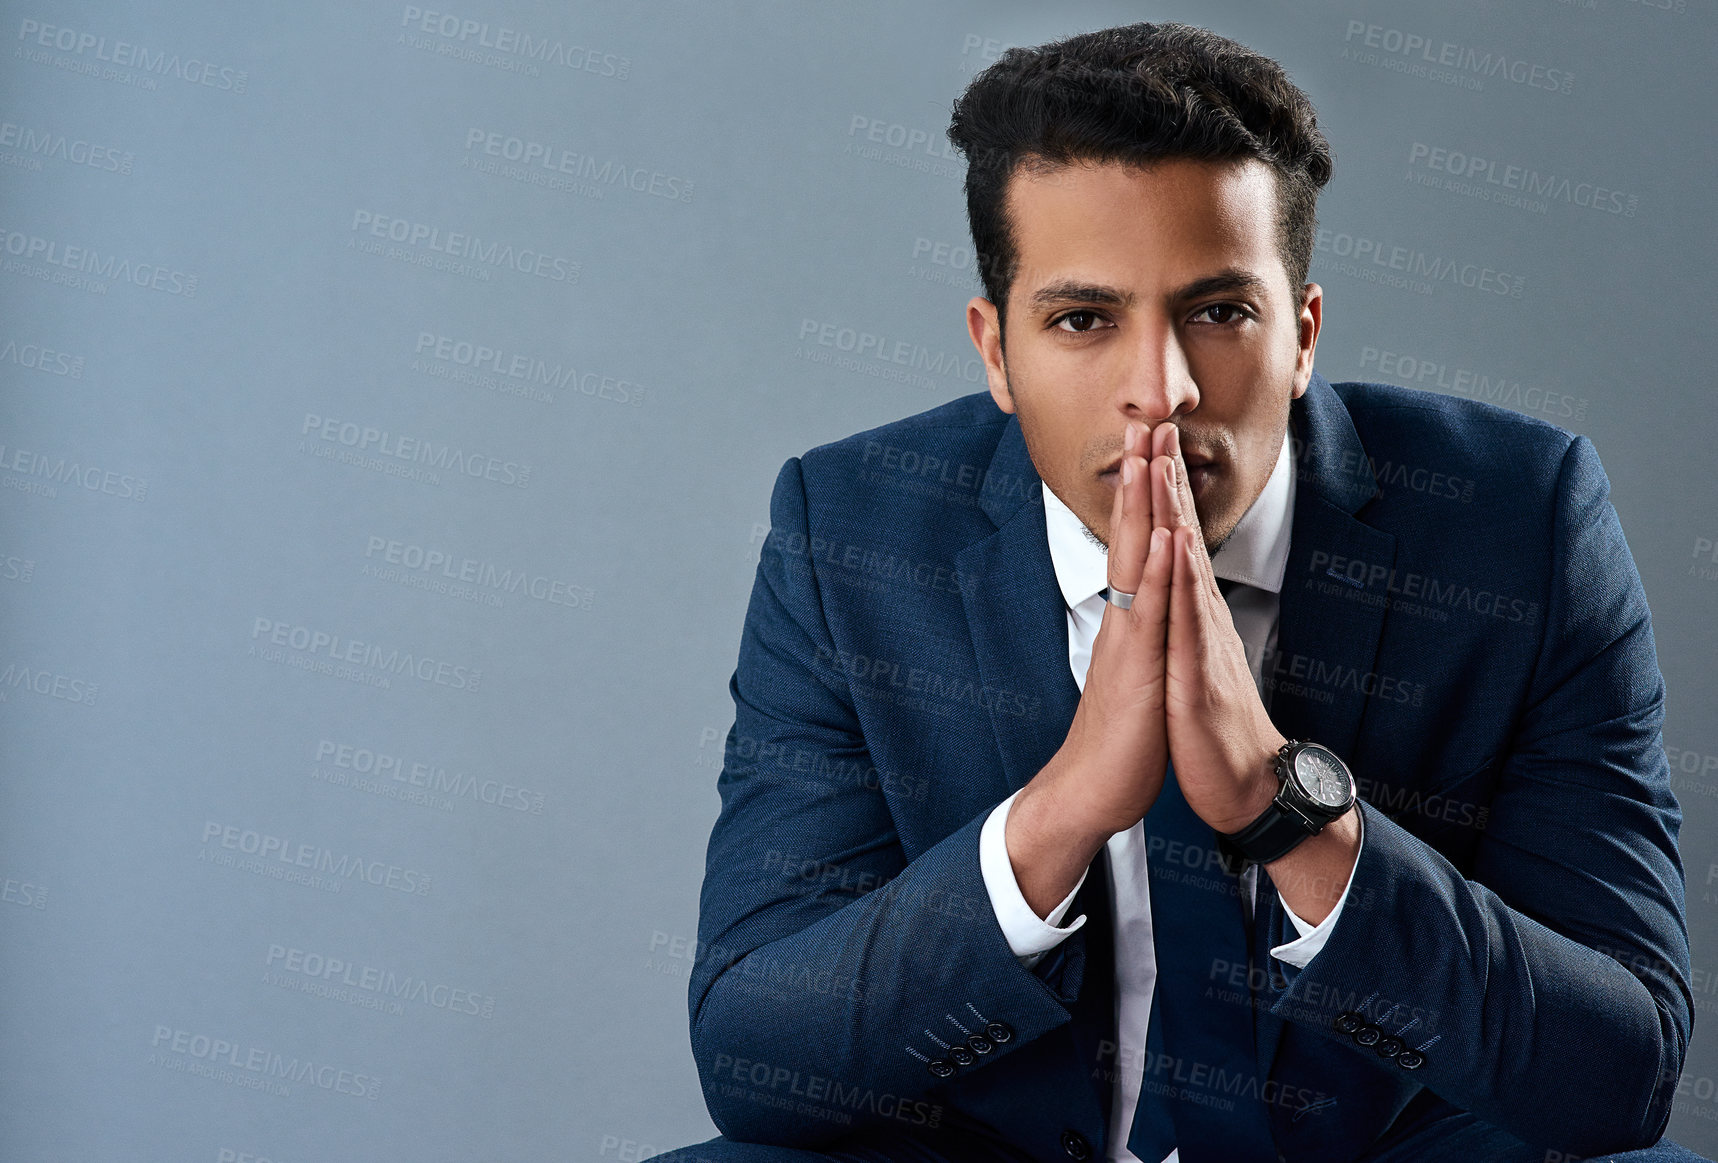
1170,754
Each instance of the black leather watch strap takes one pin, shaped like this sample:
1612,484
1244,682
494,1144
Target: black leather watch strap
1289,818
1270,837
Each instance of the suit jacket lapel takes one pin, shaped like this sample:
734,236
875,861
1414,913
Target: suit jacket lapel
1328,626
1019,627
1016,615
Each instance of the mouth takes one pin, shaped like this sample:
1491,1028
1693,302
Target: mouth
1201,472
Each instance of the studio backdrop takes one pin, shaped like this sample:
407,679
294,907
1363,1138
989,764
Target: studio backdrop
391,399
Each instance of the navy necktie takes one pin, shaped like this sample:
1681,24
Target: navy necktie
1202,1091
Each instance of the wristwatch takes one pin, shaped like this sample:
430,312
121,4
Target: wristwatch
1314,787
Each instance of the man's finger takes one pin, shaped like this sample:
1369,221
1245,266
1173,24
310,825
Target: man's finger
1171,503
1184,505
1186,626
1130,522
1155,598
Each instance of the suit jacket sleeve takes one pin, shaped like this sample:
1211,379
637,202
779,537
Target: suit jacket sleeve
1548,991
830,972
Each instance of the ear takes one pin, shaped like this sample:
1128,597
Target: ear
1311,318
985,327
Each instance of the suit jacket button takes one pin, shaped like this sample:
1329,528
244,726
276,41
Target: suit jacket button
940,1067
961,1056
1368,1035
1348,1021
1075,1145
998,1032
1390,1047
1410,1060
980,1044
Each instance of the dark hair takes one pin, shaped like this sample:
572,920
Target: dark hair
1134,94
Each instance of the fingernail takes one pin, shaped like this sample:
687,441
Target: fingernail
1127,472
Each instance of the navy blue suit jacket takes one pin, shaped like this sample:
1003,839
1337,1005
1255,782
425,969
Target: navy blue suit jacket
1461,621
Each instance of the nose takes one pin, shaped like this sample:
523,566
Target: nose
1157,383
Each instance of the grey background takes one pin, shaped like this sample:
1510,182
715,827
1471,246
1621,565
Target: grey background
166,514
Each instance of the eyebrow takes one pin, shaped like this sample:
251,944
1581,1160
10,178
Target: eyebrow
1229,279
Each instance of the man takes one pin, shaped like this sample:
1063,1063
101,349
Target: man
1170,754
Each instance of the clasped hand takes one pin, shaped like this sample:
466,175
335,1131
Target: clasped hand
1168,679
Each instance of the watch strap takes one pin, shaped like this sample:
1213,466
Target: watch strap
1280,827
1273,835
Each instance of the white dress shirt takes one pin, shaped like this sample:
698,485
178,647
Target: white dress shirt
1255,556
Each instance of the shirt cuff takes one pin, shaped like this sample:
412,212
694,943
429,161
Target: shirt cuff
1029,935
1312,937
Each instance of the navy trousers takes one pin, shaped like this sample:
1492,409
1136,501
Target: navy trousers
1454,1138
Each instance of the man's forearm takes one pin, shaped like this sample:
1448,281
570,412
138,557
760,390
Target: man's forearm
1048,847
1312,875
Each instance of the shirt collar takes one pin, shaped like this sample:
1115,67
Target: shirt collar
1256,553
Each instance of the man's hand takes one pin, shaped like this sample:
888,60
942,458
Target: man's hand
1221,739
1110,769
1119,727
1168,681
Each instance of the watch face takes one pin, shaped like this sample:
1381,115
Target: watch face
1322,777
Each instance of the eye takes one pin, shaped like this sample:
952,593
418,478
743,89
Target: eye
1092,317
1234,312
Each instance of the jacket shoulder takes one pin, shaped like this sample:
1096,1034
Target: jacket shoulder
1491,451
920,472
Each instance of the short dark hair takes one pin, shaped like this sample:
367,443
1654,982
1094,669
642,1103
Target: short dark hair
1134,94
